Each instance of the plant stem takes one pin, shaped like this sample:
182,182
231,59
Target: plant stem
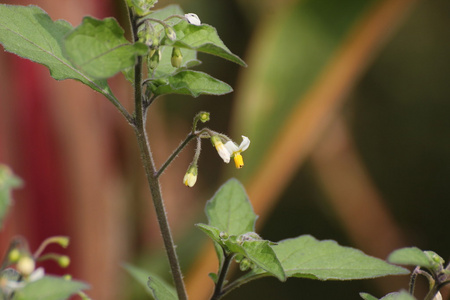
175,153
240,281
150,172
155,188
218,293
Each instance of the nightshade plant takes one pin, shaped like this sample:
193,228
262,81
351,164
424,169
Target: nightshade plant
158,61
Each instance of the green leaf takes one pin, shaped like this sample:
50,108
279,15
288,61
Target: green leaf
230,210
402,295
8,182
410,256
210,231
50,288
30,33
307,257
258,251
366,296
160,289
100,49
202,38
192,83
155,286
262,254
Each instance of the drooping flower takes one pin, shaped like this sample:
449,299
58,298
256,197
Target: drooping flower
190,178
235,150
221,149
193,19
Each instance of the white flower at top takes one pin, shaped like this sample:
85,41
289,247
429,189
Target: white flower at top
438,296
235,150
193,19
190,178
221,149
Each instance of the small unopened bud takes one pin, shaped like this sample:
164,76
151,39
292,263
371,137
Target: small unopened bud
193,19
245,264
204,116
438,296
67,277
25,265
190,178
14,255
223,235
153,60
239,257
170,33
64,261
177,57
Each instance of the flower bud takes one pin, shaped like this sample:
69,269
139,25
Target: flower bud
177,57
14,255
25,265
245,264
204,116
224,235
64,261
193,19
170,33
153,60
438,296
67,277
190,178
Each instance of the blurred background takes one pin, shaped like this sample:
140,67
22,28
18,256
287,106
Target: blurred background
346,104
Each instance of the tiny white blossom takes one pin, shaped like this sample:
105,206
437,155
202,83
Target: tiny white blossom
235,150
438,296
193,19
221,149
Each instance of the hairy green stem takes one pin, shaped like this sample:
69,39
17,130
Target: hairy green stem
155,189
175,154
218,292
240,281
151,174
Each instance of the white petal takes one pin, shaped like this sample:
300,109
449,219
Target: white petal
244,144
438,296
231,147
37,274
224,153
193,19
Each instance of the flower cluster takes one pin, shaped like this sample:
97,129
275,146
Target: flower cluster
25,271
225,147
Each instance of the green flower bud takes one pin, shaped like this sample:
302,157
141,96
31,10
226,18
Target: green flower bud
67,277
245,264
14,255
64,261
239,257
224,235
154,60
204,116
170,33
177,57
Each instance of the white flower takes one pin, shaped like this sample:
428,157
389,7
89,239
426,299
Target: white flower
11,285
190,178
221,149
438,296
235,151
193,19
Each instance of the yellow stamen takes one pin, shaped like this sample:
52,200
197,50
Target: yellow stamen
238,161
